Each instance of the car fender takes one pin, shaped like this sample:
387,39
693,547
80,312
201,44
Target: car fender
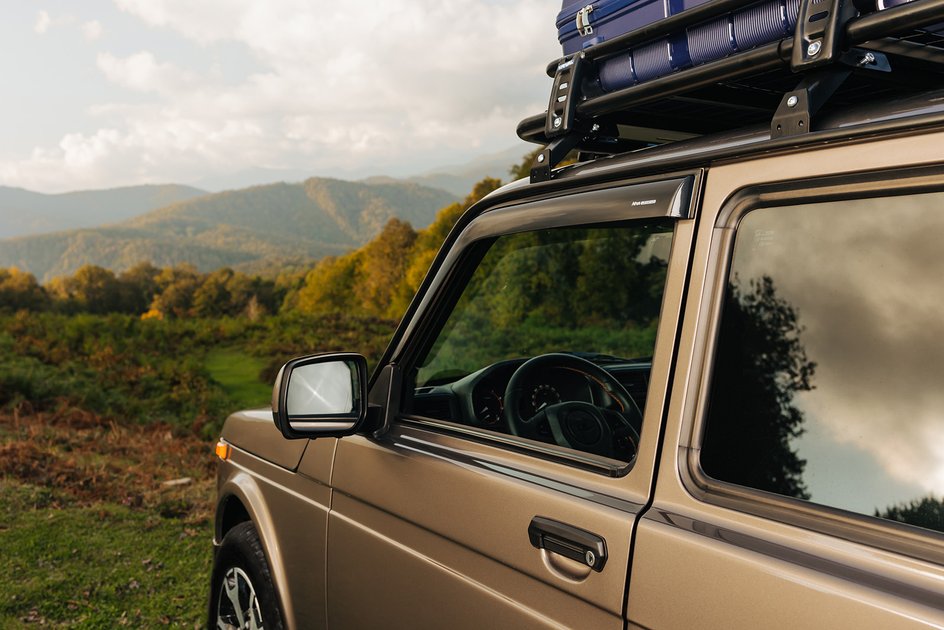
245,488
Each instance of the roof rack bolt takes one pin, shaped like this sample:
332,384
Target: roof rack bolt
541,158
558,122
867,60
814,48
792,101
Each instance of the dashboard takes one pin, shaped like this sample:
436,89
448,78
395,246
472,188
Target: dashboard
479,398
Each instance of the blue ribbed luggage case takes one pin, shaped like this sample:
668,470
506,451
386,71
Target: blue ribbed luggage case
581,25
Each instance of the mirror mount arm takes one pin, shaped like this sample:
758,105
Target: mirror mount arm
385,397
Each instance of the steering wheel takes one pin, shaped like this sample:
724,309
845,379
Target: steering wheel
575,424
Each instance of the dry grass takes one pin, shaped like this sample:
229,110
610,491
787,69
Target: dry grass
88,460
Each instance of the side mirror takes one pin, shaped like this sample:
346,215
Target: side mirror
323,395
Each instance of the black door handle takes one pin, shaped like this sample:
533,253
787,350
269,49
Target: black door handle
569,541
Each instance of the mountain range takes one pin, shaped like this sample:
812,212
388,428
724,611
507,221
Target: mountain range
245,229
24,212
260,229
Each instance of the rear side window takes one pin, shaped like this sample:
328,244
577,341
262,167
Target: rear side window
828,382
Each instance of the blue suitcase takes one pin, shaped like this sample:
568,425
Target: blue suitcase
581,25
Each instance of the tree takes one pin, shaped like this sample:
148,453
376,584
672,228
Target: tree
329,287
927,512
138,286
212,298
383,263
19,290
176,288
760,367
427,244
92,289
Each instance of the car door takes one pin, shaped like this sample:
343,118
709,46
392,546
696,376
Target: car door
800,483
502,492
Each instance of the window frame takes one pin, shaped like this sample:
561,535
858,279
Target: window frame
884,534
600,206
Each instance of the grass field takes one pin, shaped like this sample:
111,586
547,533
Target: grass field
98,566
238,374
91,535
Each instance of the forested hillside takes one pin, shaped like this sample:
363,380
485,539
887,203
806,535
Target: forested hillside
248,229
376,280
23,212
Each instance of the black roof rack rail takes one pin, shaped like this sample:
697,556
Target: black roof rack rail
834,58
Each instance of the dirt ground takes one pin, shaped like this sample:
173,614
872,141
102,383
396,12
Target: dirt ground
90,460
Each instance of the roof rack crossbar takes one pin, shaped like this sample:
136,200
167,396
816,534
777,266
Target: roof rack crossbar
894,21
821,54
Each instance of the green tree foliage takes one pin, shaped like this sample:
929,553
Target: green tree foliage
212,298
138,287
760,367
927,512
19,290
92,289
427,244
328,288
383,262
174,292
176,289
380,279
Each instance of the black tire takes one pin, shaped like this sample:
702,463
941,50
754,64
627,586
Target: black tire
242,583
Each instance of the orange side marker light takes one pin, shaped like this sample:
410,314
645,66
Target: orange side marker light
223,450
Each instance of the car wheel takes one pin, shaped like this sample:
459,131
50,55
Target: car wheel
241,592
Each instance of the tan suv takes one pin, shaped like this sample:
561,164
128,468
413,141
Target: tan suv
696,384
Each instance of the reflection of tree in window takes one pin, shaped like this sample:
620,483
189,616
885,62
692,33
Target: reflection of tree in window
576,289
760,365
927,512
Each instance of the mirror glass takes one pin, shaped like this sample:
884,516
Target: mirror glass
322,389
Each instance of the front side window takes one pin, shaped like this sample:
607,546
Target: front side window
827,383
552,337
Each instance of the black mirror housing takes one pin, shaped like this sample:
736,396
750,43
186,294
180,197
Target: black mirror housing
321,395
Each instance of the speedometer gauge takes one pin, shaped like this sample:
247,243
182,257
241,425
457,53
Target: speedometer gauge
489,409
544,395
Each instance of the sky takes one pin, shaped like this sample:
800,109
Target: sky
874,420
105,93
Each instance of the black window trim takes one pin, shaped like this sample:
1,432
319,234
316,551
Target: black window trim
900,538
602,206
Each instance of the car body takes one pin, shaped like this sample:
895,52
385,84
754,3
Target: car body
445,509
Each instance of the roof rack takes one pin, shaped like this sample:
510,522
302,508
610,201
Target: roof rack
834,59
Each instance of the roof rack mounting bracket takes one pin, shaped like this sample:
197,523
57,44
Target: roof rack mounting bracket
565,94
817,40
545,161
795,114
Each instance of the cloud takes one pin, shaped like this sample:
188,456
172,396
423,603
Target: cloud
143,73
92,30
43,21
865,278
338,88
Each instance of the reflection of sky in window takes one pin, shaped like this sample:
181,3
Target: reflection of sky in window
867,280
